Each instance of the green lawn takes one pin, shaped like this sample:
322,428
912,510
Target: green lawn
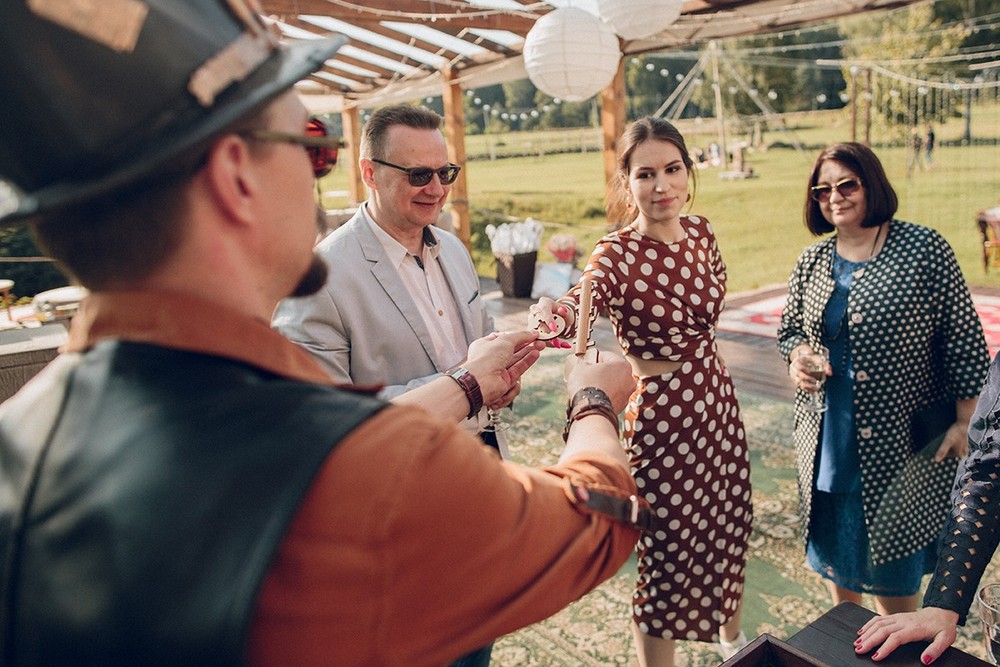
759,220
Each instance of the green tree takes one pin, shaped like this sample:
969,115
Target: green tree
910,43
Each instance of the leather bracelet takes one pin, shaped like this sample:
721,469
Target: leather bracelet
589,401
467,381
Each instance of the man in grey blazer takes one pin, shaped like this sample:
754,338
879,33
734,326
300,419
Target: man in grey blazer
401,305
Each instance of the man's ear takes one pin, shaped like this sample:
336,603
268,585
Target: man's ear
367,172
231,178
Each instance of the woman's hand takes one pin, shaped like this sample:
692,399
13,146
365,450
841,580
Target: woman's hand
797,370
887,633
551,319
955,442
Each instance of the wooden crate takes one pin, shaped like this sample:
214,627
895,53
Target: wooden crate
768,651
24,352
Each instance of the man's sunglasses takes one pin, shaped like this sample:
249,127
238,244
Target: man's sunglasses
845,188
421,176
320,146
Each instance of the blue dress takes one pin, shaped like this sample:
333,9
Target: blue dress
838,546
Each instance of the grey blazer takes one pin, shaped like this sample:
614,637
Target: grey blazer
363,326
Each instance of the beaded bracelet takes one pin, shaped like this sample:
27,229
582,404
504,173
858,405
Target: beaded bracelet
589,401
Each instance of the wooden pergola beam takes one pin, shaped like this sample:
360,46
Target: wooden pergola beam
613,124
351,120
454,123
464,15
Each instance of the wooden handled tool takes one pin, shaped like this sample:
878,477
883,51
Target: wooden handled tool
583,319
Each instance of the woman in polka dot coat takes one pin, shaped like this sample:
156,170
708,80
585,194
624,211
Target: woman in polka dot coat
661,281
887,298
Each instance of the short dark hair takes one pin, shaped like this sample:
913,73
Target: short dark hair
373,135
121,237
640,131
881,201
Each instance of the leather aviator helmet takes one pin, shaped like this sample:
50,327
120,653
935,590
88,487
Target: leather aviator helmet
95,94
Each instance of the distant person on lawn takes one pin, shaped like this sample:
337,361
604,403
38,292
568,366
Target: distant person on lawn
183,485
661,280
888,301
930,141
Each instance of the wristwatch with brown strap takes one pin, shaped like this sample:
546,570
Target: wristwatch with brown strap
467,381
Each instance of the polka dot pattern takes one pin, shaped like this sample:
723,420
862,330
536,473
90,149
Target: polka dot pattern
915,339
684,431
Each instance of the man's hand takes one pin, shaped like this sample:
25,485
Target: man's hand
498,360
612,374
886,633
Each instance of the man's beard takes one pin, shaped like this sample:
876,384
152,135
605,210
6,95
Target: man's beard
313,279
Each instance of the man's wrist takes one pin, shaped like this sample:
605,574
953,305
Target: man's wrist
586,402
473,392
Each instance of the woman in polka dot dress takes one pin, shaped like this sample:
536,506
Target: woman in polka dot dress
661,281
888,300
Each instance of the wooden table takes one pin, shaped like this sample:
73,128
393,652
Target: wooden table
830,639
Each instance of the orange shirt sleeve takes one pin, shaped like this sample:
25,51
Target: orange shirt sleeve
416,545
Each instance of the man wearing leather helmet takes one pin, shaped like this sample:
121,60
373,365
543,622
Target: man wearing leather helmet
183,485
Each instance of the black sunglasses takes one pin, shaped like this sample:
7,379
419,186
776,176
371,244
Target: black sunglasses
421,176
845,188
320,146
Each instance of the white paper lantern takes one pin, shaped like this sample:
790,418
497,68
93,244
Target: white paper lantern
639,19
571,54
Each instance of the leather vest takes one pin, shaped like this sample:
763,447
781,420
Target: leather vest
143,493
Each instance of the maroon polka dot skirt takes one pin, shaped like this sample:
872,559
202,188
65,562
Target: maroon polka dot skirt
689,457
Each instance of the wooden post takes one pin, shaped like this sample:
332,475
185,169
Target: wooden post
454,123
720,113
854,103
613,124
351,121
868,107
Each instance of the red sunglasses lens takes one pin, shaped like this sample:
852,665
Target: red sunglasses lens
323,158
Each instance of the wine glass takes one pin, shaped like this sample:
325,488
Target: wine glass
815,364
988,605
496,421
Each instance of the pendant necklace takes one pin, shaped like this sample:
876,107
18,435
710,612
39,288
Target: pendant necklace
857,273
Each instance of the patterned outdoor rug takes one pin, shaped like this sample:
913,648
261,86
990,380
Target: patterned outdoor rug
782,596
762,317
